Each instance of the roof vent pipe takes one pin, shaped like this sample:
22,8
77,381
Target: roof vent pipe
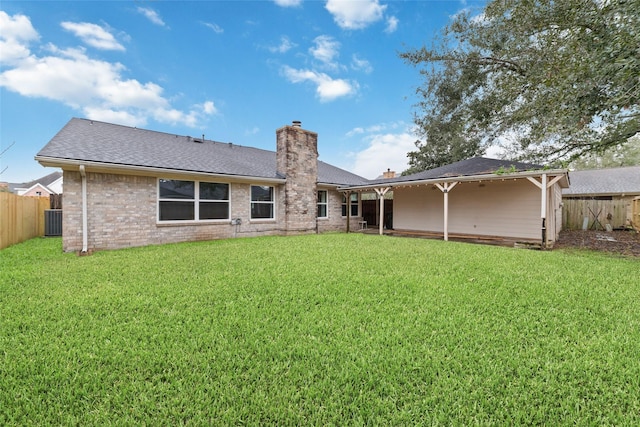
297,123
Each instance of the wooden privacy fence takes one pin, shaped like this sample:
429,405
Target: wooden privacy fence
21,218
635,215
598,213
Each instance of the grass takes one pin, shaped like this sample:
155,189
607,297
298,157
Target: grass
318,330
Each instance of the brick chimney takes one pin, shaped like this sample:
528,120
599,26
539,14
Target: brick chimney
389,174
297,161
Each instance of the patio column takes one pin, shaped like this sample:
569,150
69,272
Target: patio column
347,196
381,192
543,185
445,187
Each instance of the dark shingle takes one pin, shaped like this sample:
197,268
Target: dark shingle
469,167
625,180
93,141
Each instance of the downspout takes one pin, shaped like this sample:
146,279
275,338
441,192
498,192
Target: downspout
85,240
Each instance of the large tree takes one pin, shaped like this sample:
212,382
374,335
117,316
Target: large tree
548,80
624,155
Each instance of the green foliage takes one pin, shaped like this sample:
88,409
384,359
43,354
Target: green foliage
318,330
502,170
627,154
549,81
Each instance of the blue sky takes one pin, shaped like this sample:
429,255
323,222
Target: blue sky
234,71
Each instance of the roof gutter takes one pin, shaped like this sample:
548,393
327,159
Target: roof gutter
149,170
460,178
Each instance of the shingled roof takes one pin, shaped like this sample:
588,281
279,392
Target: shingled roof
85,140
600,182
44,181
468,167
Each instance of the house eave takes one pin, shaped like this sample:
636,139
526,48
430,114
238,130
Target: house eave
564,182
93,166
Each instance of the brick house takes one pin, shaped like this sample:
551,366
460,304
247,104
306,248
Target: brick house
125,186
132,187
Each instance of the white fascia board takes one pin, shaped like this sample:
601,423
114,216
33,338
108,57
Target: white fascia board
147,170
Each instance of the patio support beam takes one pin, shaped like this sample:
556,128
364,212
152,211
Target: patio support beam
381,192
347,196
544,185
445,187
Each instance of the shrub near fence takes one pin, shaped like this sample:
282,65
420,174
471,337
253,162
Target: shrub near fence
21,218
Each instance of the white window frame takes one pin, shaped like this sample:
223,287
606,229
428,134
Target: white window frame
196,201
272,202
355,203
325,203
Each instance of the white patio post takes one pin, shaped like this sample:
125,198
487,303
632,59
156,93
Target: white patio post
381,192
445,187
543,186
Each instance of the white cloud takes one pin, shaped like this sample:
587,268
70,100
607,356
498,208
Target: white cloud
95,87
209,108
215,27
384,151
152,16
392,24
327,88
355,15
325,50
113,116
93,35
17,32
252,131
284,46
360,64
355,131
288,3
382,127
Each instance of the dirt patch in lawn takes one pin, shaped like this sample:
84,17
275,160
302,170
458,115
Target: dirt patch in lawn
625,243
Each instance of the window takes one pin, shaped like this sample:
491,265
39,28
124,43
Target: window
322,204
192,200
354,204
214,200
262,202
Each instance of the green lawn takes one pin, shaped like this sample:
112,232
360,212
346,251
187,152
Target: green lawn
318,330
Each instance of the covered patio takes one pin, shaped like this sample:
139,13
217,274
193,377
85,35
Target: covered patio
485,200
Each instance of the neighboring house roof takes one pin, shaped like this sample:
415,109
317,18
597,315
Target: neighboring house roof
36,188
45,181
82,140
614,181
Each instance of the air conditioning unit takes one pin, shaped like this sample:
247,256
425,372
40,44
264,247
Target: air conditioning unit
53,222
